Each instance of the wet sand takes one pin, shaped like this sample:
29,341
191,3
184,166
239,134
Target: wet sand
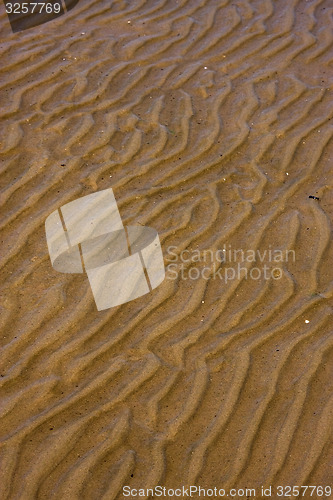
210,120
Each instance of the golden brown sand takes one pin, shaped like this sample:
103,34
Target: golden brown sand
210,120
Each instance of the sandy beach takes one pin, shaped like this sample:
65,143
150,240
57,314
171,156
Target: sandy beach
211,122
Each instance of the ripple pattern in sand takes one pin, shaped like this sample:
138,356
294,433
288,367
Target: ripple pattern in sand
211,121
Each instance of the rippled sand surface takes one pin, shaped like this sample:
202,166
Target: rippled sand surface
211,121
